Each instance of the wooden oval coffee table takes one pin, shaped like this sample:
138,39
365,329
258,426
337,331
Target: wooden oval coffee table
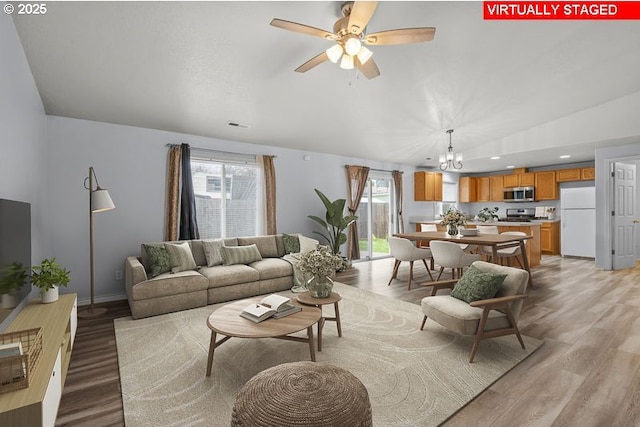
227,321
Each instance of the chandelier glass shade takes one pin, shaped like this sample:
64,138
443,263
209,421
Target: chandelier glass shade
450,160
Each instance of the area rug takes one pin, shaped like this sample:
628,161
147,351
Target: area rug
414,378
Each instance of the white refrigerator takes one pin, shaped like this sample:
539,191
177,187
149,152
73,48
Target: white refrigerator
578,221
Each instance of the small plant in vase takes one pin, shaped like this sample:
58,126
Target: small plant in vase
453,219
48,276
551,212
487,214
12,278
320,265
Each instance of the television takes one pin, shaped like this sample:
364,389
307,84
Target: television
15,247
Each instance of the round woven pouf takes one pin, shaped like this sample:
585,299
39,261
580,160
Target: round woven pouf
302,394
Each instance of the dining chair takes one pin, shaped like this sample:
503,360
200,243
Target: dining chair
450,255
487,251
404,250
509,253
424,244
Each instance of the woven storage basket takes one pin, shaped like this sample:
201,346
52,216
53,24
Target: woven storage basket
16,371
302,394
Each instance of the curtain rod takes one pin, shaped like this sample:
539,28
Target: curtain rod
376,170
218,151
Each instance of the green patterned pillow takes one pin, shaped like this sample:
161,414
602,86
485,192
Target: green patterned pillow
476,285
240,254
180,256
159,258
291,244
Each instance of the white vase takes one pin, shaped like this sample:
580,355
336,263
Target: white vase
50,295
9,300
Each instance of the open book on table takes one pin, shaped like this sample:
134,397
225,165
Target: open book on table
275,306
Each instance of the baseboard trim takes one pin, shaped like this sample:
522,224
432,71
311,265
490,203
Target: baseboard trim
98,300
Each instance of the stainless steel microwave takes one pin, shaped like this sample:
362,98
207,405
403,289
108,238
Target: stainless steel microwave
519,194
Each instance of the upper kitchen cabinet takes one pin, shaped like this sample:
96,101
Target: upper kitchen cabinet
484,189
427,186
525,179
497,188
467,189
588,173
546,185
564,175
510,181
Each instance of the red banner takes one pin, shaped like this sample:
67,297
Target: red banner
591,10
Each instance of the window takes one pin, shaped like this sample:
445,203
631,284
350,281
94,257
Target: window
235,176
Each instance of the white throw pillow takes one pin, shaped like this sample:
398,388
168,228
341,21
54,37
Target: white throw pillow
307,244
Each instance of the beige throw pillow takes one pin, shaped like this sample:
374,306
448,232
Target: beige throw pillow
212,251
307,244
180,256
240,254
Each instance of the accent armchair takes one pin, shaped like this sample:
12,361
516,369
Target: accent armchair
485,318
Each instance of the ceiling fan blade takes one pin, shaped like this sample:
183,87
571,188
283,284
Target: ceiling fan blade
401,36
316,60
361,13
369,68
301,28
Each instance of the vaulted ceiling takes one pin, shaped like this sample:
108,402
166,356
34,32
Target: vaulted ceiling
527,91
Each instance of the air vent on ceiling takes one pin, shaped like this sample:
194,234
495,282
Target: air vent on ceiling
237,125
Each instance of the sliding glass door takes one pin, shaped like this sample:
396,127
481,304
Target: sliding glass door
376,216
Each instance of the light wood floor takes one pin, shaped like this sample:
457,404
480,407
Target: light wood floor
587,373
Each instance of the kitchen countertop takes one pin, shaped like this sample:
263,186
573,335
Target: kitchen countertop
500,223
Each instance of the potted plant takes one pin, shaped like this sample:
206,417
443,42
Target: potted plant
319,265
48,276
453,219
335,222
12,277
487,214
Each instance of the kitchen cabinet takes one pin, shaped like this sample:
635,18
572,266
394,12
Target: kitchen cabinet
467,189
484,189
497,188
546,185
511,181
565,175
587,174
526,179
427,186
37,405
550,238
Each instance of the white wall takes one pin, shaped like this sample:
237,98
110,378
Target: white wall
130,162
23,170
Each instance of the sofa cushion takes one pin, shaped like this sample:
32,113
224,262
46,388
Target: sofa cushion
225,275
197,250
477,285
266,245
212,251
180,256
307,244
291,243
240,254
158,258
271,268
168,284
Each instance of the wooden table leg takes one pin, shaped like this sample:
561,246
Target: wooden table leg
335,306
212,347
311,345
320,326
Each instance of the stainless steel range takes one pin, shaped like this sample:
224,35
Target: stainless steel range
520,215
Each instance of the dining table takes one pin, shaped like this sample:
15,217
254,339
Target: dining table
495,241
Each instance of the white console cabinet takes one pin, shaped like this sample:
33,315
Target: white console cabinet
37,405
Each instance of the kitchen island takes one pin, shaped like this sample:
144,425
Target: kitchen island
530,228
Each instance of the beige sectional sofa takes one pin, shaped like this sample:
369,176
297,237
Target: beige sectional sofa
203,285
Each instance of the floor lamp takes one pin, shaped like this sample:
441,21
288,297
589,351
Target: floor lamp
99,201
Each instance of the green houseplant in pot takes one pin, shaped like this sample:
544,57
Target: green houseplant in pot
48,276
12,277
334,223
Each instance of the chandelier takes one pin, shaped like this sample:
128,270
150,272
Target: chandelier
450,160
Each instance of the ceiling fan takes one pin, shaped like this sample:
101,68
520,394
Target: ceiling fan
349,35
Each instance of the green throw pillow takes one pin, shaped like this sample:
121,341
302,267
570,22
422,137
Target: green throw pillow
476,285
291,244
240,254
159,258
180,256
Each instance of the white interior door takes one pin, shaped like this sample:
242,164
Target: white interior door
624,190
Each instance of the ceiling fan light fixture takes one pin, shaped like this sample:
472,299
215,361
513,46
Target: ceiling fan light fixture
334,52
364,55
352,45
347,62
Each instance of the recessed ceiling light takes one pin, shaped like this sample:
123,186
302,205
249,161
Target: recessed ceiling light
510,167
238,125
565,156
494,157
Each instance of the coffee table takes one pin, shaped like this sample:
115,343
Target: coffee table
227,321
334,298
